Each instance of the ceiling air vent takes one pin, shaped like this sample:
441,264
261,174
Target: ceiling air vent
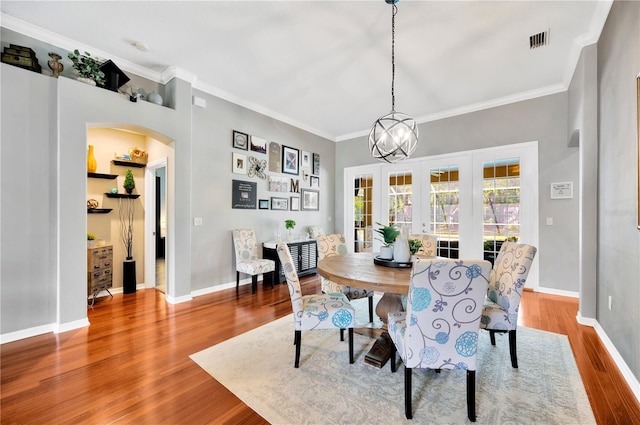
539,40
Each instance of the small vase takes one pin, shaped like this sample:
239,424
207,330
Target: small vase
90,243
92,165
401,252
386,252
290,235
154,97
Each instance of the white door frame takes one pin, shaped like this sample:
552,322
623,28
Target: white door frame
149,224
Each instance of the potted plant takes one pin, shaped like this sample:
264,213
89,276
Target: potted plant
88,68
414,246
129,183
389,235
91,240
290,225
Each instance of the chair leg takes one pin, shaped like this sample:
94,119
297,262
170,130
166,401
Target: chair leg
237,281
492,336
350,345
407,393
392,358
370,309
254,283
298,340
272,276
471,395
512,349
341,334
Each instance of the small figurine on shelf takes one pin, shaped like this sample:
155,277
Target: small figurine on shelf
129,183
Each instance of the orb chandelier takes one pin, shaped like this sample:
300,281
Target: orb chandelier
394,136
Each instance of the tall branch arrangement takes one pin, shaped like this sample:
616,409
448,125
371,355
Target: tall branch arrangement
126,210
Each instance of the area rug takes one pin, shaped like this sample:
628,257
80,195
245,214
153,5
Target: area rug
258,368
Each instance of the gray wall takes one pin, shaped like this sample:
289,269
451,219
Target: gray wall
543,119
618,238
213,259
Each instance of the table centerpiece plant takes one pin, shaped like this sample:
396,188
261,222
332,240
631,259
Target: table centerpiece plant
389,235
290,225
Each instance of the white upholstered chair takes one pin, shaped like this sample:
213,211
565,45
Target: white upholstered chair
330,245
429,244
247,261
317,311
506,283
439,329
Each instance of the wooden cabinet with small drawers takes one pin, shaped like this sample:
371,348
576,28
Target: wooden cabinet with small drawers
99,269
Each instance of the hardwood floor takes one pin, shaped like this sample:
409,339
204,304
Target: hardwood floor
132,366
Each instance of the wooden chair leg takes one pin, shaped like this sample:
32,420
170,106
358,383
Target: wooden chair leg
254,283
407,393
512,349
392,358
370,309
237,281
298,340
350,345
272,276
471,395
492,336
341,334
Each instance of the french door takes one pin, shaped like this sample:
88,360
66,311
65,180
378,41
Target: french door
471,201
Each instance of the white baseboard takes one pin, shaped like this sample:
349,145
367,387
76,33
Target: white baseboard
216,288
69,326
27,333
561,292
177,300
619,361
587,321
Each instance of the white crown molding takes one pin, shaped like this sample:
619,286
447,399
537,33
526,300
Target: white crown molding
493,103
46,36
172,72
214,91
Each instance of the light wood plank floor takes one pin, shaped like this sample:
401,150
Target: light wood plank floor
132,366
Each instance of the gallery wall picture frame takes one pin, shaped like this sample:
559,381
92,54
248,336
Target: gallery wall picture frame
305,159
278,184
263,204
316,164
310,199
240,140
290,160
275,158
256,144
281,204
243,195
238,163
294,204
314,182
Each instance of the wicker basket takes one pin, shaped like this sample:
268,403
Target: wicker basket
138,155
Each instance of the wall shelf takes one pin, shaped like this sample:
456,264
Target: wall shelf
102,176
128,163
98,210
121,195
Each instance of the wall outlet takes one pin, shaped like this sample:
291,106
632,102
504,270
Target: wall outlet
197,221
610,301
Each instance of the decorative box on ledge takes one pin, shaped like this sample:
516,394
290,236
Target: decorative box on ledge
303,252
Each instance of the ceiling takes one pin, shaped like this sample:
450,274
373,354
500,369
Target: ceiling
325,66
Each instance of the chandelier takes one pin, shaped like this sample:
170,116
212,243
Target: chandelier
394,136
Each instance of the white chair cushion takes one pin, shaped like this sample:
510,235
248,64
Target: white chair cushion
253,267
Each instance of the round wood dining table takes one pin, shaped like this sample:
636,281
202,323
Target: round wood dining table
358,270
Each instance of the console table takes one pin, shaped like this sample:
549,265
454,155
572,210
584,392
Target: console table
303,252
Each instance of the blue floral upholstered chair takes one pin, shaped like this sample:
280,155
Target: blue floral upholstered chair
429,244
247,261
317,311
330,245
439,329
506,283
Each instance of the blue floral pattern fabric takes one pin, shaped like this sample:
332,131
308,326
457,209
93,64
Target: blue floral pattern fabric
506,283
330,245
246,247
439,329
317,311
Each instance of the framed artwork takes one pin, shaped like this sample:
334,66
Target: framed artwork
562,190
290,160
257,167
315,182
316,164
278,184
281,204
305,159
275,158
263,204
294,205
310,200
238,163
240,140
257,144
243,195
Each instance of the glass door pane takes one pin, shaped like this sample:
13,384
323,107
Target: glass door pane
363,213
400,199
444,211
501,205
